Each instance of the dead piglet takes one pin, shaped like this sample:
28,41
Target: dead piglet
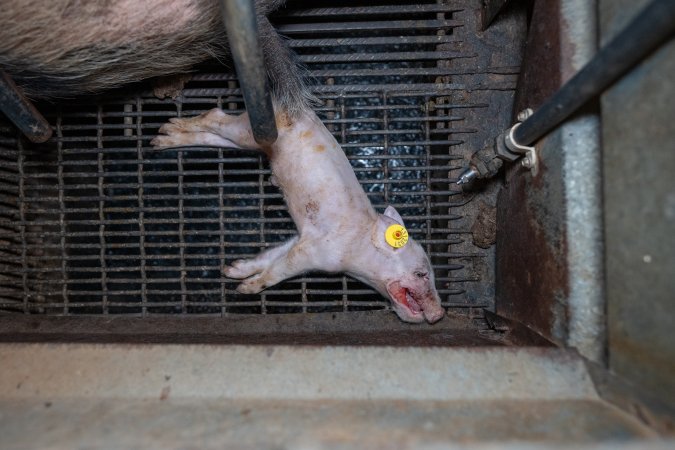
338,229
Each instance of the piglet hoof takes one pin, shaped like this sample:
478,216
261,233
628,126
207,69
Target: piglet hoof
164,142
251,285
240,269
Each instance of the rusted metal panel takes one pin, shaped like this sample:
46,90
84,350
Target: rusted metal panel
366,328
549,249
540,74
530,269
532,278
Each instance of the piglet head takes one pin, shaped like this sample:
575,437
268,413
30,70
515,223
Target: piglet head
408,277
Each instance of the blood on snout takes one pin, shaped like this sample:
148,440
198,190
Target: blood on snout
320,148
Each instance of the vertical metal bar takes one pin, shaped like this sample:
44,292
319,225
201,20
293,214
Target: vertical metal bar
345,297
580,142
221,234
261,213
22,225
343,117
21,112
232,105
221,220
303,295
343,140
181,232
141,213
128,119
385,163
62,215
445,224
101,214
242,31
330,105
427,163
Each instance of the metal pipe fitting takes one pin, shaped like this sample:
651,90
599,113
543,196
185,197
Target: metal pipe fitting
242,32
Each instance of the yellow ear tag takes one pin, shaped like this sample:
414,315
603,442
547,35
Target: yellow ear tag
396,235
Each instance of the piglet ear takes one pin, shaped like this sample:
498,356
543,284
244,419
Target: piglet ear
393,214
389,233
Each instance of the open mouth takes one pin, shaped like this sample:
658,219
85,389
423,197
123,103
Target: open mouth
405,298
411,303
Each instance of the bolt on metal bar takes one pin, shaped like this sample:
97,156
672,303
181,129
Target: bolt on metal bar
242,32
647,31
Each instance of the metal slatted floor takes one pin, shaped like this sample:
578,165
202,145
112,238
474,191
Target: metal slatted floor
97,222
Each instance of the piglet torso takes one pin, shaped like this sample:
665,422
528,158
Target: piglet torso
320,187
338,229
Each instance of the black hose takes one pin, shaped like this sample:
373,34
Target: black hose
649,29
242,32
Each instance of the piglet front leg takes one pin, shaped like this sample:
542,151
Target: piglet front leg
258,271
294,257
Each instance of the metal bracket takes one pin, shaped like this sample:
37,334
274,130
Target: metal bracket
530,159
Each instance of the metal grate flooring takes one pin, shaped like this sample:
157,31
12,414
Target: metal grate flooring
97,222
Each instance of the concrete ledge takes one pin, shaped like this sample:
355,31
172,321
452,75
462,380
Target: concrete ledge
283,372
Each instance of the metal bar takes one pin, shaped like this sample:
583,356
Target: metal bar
21,112
372,10
62,221
101,215
654,25
242,31
385,40
349,27
141,215
384,56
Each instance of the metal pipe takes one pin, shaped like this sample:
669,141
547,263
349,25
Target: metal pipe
242,32
651,27
21,111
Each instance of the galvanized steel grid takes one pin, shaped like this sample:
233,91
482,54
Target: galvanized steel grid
97,222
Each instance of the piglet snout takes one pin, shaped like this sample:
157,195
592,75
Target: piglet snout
435,315
432,309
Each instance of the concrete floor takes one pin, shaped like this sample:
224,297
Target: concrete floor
206,396
256,424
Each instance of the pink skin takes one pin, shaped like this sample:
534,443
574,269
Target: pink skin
338,229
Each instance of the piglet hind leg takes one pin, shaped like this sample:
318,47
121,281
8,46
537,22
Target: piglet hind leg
213,128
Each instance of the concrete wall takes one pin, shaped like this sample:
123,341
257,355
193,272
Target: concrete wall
639,212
